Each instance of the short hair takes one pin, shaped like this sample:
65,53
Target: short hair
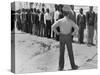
72,6
31,3
47,10
56,7
90,6
81,9
60,5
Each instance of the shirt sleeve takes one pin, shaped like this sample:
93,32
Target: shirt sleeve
55,17
55,25
75,26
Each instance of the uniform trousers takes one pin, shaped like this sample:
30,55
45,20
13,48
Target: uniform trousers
66,40
48,28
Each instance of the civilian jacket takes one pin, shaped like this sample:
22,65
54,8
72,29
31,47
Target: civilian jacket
90,18
81,21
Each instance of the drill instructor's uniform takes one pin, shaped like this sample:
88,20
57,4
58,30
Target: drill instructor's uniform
65,26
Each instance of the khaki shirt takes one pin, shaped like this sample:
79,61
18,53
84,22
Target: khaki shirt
65,25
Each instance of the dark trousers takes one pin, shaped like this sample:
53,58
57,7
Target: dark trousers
45,30
81,34
34,29
19,25
57,36
48,28
66,39
72,31
27,27
42,29
30,28
12,25
23,26
37,29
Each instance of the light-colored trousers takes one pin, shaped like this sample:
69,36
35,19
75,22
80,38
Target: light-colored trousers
90,34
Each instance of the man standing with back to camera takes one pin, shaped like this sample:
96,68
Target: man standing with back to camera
65,24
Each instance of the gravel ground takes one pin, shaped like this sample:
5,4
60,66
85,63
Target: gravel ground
36,54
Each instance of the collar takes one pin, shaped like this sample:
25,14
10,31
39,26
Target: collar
81,14
91,12
66,18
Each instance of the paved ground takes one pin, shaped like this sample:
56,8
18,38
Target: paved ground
36,54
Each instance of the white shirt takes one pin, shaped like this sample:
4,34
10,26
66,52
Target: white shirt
47,16
56,15
81,15
65,25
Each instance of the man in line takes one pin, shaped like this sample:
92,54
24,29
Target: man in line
56,16
33,21
65,24
18,20
29,19
47,21
95,26
37,22
72,17
23,20
90,24
81,22
42,26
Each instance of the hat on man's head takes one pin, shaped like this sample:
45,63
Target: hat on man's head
66,8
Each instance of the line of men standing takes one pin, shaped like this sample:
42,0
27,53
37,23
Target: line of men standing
88,21
83,21
27,21
39,23
35,21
